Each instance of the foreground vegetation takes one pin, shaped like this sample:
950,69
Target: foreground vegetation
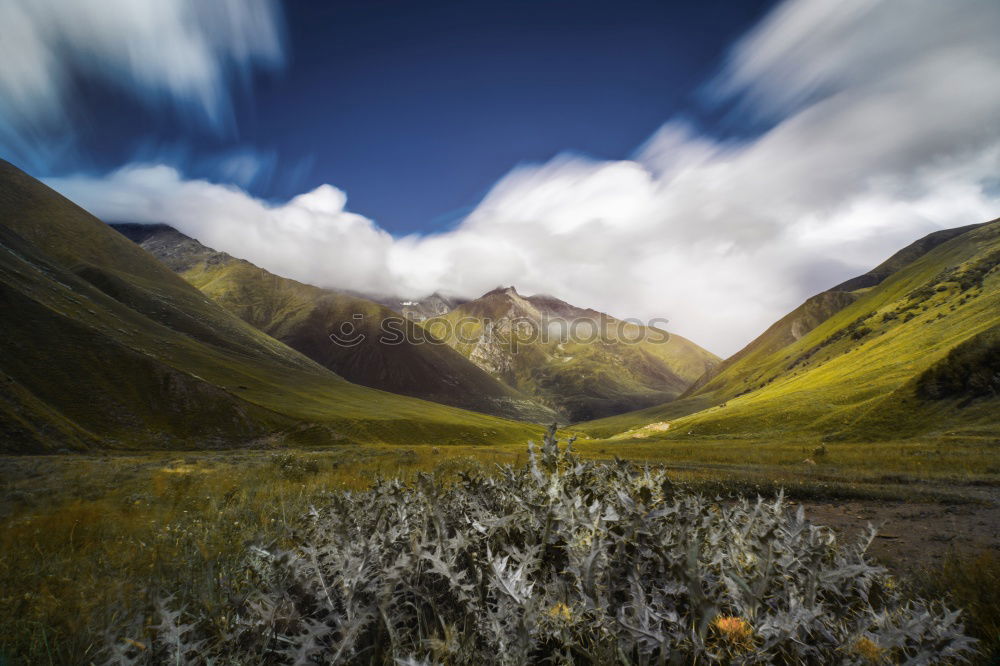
557,561
93,542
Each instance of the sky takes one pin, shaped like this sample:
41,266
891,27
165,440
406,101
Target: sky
709,163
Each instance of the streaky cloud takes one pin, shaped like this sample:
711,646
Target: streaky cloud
180,54
883,128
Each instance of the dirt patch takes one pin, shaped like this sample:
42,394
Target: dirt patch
913,535
645,431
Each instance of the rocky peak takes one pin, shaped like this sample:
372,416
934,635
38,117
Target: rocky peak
502,291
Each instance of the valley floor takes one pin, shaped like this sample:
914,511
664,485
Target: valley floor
88,536
918,535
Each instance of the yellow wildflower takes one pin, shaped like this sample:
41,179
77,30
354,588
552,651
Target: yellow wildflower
866,647
735,630
561,611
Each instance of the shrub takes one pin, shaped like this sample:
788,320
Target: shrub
291,466
975,274
560,561
861,332
970,370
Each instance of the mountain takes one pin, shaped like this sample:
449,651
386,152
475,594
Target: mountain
577,380
901,259
421,309
384,350
104,346
909,348
609,366
817,309
787,330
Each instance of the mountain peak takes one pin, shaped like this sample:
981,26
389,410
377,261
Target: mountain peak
508,291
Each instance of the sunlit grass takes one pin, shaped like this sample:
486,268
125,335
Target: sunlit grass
966,459
853,377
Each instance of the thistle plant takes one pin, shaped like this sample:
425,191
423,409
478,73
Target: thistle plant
560,561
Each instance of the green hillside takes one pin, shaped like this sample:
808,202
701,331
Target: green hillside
851,364
608,367
303,317
105,346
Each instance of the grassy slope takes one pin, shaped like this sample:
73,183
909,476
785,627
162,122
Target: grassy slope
582,379
105,346
853,375
303,317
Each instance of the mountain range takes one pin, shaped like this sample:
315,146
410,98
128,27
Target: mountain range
584,363
304,317
104,346
540,380
140,337
420,309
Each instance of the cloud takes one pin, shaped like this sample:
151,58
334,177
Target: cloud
309,238
179,53
881,128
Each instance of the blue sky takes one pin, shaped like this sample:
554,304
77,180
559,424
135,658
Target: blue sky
429,104
710,163
416,108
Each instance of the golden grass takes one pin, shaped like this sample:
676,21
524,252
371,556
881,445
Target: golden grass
951,460
85,537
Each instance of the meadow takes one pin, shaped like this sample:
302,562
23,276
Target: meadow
88,540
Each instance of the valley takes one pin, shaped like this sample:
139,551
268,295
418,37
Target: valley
581,333
164,406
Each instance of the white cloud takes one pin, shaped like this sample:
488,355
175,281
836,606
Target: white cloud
173,52
310,238
883,128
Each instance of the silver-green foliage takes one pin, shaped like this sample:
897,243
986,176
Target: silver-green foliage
564,561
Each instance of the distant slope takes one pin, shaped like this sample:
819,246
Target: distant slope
105,346
583,377
817,309
851,364
787,330
304,316
903,258
420,309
